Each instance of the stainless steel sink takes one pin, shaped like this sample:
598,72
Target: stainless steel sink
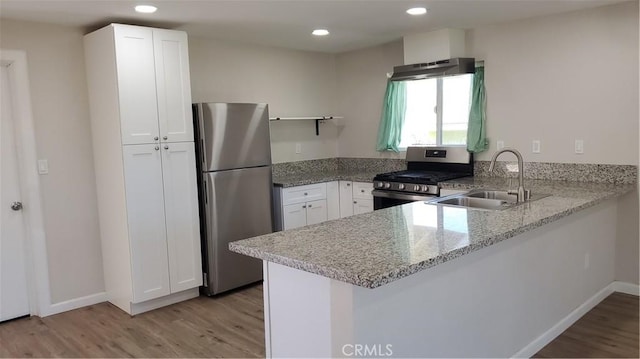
490,194
474,202
485,199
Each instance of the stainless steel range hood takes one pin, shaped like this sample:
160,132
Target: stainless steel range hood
456,66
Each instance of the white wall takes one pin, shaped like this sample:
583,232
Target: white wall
561,78
555,79
361,86
293,83
61,116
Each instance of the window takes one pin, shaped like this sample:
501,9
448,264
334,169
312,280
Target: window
437,111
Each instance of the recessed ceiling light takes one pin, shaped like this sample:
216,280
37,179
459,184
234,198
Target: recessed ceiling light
320,32
417,11
146,9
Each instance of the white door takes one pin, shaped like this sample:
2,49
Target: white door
362,206
136,84
14,297
145,214
346,199
181,208
316,211
294,215
173,85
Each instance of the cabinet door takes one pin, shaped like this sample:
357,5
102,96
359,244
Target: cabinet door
333,200
346,199
362,206
316,211
294,215
145,214
136,84
181,208
173,85
362,190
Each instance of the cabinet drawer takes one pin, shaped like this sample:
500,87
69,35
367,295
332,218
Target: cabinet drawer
299,194
362,190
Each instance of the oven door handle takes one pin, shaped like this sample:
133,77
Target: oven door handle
404,196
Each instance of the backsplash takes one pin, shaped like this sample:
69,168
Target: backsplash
375,165
575,172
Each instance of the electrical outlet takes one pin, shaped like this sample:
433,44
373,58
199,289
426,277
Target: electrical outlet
579,147
535,148
298,148
500,144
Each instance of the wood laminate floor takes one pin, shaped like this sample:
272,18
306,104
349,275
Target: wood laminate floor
232,326
610,330
227,326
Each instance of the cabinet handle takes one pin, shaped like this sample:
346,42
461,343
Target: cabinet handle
166,147
348,184
165,137
309,206
362,190
157,148
155,138
304,206
355,202
305,193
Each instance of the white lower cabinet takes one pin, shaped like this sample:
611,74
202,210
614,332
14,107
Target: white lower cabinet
162,219
310,204
303,205
355,198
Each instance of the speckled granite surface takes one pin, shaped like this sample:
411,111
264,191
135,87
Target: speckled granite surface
373,249
300,173
578,172
304,178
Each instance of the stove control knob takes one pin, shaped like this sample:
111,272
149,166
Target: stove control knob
416,188
379,184
400,186
425,188
387,185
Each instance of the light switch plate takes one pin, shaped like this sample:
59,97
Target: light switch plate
298,148
43,167
500,144
579,147
535,148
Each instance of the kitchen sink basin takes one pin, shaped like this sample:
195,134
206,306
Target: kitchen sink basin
474,202
485,199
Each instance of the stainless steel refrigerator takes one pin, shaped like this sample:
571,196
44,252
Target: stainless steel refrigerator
235,189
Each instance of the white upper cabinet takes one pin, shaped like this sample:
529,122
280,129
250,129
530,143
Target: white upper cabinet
136,84
153,85
173,86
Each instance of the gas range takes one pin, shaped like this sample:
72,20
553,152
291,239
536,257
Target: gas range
426,167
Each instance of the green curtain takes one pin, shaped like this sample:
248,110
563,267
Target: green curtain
393,108
476,132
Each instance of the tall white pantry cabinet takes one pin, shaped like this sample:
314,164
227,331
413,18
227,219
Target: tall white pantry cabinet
142,129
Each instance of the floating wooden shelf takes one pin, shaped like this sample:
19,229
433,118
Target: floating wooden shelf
301,118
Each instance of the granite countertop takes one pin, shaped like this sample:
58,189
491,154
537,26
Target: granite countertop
304,178
372,249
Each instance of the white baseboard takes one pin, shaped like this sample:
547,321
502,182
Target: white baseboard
546,338
137,308
627,288
74,304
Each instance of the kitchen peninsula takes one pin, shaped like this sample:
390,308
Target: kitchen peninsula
425,280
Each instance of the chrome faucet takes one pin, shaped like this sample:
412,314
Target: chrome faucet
523,195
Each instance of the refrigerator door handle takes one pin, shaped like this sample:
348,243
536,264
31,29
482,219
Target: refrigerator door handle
206,192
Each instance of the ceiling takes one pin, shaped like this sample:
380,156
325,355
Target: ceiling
353,24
